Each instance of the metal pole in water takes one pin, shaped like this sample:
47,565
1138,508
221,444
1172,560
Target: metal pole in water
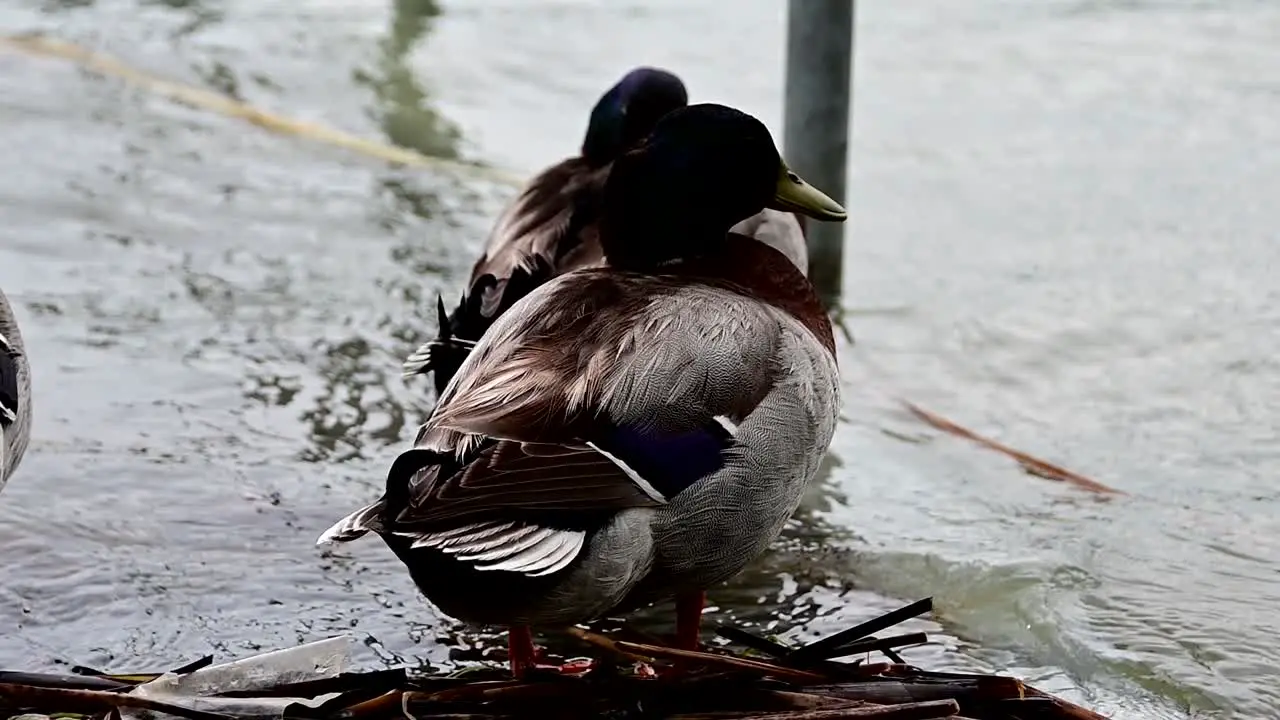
816,122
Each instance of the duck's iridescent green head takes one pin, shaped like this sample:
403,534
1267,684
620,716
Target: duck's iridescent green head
628,111
703,169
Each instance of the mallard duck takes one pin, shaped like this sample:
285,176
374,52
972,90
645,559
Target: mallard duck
551,229
632,432
15,394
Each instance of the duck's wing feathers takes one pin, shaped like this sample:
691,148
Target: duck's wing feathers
546,219
553,483
502,504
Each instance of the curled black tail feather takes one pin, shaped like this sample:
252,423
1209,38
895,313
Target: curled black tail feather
443,355
486,300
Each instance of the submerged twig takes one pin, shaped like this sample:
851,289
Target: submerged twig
823,649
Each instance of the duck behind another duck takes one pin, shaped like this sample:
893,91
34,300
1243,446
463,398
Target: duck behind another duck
632,432
551,227
15,394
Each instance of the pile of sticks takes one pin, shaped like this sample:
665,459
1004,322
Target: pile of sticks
629,679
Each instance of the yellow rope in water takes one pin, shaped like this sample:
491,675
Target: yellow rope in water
216,102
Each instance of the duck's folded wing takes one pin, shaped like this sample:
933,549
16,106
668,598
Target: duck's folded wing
547,230
528,506
565,485
513,506
545,220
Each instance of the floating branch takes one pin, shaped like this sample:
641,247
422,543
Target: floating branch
1031,464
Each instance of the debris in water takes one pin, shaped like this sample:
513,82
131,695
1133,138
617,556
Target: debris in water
1031,464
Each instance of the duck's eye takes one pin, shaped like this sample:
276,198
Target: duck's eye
793,177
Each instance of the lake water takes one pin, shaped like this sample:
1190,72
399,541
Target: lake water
1063,235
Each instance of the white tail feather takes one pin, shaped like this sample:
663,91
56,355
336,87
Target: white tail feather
527,549
353,526
419,361
559,560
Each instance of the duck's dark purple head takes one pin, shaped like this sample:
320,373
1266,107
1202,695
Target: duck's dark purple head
629,110
703,168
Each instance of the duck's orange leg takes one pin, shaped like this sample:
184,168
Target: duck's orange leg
689,619
523,655
520,650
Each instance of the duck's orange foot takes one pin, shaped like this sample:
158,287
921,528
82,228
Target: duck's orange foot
521,651
576,666
527,658
582,666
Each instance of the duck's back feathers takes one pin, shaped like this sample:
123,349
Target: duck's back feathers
625,386
490,293
547,231
547,220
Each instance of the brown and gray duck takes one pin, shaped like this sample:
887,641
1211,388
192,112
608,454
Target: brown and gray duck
635,431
